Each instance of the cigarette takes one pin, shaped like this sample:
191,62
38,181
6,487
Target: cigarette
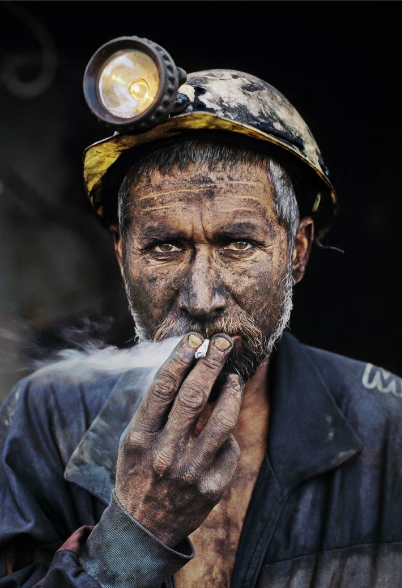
202,350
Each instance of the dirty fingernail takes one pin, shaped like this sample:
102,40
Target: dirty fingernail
221,343
194,340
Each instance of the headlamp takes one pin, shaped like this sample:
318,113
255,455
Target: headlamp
131,84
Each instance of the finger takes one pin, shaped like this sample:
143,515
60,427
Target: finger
214,484
196,389
152,412
222,421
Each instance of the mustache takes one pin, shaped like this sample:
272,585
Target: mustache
241,324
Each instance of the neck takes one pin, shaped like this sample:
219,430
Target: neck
253,419
256,388
252,425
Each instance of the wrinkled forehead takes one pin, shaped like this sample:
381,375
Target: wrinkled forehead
243,188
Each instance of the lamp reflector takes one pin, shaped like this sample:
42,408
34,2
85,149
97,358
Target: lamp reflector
128,83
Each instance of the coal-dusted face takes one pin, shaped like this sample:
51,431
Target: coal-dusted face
204,251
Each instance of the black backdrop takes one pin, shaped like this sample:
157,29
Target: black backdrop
338,62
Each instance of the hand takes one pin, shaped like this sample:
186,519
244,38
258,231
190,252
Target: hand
168,478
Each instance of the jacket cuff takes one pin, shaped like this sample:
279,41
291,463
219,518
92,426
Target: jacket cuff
121,553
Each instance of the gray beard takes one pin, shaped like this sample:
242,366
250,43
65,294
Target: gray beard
258,346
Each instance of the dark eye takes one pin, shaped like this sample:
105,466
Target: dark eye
238,246
166,248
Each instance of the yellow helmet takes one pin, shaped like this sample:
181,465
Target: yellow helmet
219,100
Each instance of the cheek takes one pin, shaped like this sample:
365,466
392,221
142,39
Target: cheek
257,285
153,286
159,276
252,288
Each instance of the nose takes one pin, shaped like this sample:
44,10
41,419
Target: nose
202,295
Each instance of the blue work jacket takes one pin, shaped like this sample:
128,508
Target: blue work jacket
326,511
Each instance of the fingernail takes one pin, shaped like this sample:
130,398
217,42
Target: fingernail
221,343
194,340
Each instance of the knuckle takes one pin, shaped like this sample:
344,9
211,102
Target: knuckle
134,441
224,421
179,367
189,473
211,490
211,365
182,361
137,439
164,387
162,460
191,397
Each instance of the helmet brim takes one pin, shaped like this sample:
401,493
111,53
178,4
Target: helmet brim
101,156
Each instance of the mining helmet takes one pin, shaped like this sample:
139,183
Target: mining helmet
133,85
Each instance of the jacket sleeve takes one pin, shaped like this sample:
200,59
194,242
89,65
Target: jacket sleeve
118,553
44,538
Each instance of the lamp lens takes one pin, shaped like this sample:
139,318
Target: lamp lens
128,83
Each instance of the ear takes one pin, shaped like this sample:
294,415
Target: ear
118,246
303,241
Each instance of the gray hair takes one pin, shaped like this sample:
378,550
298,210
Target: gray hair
210,153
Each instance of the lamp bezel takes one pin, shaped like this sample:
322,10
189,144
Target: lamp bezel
166,95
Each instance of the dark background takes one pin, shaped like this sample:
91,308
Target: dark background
338,62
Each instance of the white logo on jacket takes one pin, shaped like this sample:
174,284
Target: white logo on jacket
375,378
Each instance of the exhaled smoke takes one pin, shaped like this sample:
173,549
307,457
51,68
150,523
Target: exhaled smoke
96,360
86,363
93,358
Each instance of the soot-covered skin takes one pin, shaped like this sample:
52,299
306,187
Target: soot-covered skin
168,477
201,245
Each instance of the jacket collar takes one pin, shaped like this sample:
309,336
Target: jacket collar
93,463
308,433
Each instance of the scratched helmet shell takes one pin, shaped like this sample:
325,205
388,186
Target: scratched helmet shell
220,100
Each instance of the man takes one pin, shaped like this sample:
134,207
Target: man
248,467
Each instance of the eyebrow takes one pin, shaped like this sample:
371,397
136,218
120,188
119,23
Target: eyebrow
237,230
161,233
240,230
